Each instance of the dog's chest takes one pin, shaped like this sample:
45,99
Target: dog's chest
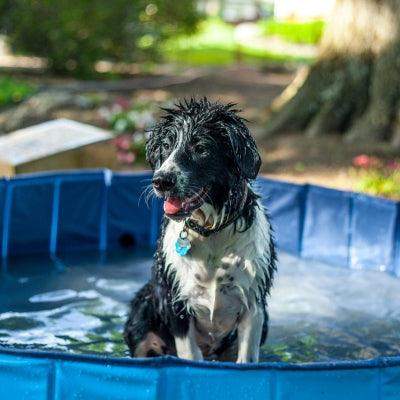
213,290
216,278
213,286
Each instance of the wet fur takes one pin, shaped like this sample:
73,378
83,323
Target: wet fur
211,303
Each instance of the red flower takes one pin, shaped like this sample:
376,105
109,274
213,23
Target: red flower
362,161
366,161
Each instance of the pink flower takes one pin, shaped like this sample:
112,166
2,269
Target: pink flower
123,142
366,161
362,161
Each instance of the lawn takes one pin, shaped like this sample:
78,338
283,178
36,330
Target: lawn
215,43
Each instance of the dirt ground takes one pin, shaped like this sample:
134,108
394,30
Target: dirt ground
324,161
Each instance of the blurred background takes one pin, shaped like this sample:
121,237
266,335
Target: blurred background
319,82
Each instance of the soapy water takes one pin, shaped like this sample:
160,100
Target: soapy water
79,304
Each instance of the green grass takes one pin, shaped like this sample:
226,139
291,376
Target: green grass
227,57
213,36
215,44
13,91
295,32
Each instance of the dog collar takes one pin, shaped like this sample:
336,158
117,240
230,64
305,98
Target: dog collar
209,230
183,244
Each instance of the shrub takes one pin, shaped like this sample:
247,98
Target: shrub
130,121
73,35
377,177
13,91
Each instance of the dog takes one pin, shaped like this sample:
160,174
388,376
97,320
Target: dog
215,259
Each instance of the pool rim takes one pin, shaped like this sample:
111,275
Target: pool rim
171,361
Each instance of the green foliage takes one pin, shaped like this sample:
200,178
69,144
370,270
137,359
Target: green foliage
376,177
296,32
73,35
13,91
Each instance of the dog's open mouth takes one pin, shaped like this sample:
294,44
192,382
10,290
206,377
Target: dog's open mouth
176,207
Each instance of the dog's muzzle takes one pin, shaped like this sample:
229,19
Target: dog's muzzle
182,206
178,207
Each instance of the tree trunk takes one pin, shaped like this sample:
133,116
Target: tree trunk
353,86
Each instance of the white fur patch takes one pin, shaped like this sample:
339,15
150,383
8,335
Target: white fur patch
220,277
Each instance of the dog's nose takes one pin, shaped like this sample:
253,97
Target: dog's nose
164,182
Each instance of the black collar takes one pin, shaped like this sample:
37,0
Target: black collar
234,216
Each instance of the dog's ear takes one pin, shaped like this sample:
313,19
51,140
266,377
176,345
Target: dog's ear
244,149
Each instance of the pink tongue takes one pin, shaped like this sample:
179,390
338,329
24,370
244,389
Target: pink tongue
172,206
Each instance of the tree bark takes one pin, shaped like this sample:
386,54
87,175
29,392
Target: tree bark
353,86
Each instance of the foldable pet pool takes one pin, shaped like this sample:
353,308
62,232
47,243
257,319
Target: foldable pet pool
76,245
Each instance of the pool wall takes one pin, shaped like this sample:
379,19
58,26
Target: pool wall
100,209
38,375
88,210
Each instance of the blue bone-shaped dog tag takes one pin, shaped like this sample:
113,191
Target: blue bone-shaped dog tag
182,246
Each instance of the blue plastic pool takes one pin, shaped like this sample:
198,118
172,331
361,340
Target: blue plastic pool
100,212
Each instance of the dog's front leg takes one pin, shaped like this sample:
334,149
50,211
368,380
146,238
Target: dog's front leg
186,345
249,335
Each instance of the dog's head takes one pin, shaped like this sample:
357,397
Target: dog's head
198,153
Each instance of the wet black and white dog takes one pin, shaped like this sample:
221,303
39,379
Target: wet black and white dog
215,260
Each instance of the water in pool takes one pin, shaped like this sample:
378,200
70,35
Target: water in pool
79,304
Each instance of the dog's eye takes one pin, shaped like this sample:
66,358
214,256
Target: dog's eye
200,149
166,146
